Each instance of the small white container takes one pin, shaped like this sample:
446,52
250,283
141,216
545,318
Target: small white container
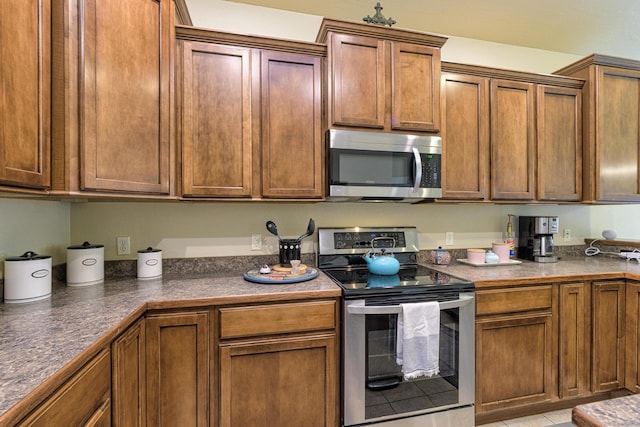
149,263
85,264
27,278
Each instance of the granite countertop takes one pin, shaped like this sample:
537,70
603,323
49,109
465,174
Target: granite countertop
618,412
529,272
38,339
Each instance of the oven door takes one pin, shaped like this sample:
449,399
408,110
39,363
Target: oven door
374,390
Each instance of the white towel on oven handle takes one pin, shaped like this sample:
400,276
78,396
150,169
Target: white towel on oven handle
418,339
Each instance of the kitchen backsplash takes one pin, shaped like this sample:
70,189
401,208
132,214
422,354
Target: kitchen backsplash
178,267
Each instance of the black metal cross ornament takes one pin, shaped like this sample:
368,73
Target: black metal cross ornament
379,18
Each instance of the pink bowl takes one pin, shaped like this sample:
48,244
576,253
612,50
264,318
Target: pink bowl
475,256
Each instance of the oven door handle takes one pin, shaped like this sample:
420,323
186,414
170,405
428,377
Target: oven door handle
396,309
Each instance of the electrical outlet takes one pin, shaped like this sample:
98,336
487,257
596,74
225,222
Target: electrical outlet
567,235
256,242
123,245
448,238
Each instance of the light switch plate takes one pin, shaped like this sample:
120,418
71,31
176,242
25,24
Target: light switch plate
256,242
448,238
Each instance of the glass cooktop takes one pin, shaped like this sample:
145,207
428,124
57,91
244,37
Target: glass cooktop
357,281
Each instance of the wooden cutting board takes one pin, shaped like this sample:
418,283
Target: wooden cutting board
284,269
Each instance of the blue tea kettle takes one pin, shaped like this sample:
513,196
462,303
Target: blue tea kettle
382,264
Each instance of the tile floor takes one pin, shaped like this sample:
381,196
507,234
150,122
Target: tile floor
561,418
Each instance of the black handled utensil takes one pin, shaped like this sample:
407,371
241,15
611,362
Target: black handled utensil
310,229
271,227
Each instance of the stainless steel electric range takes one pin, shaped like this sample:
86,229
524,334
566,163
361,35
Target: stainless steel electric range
374,391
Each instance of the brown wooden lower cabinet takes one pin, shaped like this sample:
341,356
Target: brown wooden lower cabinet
514,347
514,360
607,343
177,369
85,399
554,343
283,382
128,376
279,364
573,339
632,335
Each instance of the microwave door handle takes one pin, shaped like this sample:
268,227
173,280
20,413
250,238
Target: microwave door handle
396,309
418,164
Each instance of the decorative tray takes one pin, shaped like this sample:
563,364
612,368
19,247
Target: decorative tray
485,264
277,277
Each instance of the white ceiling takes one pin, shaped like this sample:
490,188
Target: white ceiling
578,27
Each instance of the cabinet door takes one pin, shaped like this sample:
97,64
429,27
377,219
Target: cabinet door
216,120
512,140
514,359
415,88
607,359
573,339
83,399
128,377
125,77
559,144
356,81
618,135
177,347
280,382
291,137
465,135
25,85
632,337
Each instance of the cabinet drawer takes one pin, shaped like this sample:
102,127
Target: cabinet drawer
79,399
276,318
513,300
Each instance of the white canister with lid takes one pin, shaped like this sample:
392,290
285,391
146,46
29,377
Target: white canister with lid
85,264
149,263
27,278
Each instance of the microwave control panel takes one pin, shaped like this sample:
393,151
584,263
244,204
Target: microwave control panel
431,167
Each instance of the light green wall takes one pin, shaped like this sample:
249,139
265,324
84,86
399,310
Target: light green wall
223,229
624,220
33,225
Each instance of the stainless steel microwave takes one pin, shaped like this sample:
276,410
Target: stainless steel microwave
373,166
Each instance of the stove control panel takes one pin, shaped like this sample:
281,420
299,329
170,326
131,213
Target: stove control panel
367,240
358,240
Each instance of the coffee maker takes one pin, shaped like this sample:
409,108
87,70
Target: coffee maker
535,238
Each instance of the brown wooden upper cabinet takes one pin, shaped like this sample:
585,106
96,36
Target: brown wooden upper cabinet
25,85
510,135
112,96
465,131
512,140
611,117
382,78
250,116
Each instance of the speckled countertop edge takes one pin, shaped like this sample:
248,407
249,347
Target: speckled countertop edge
38,339
618,412
569,268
